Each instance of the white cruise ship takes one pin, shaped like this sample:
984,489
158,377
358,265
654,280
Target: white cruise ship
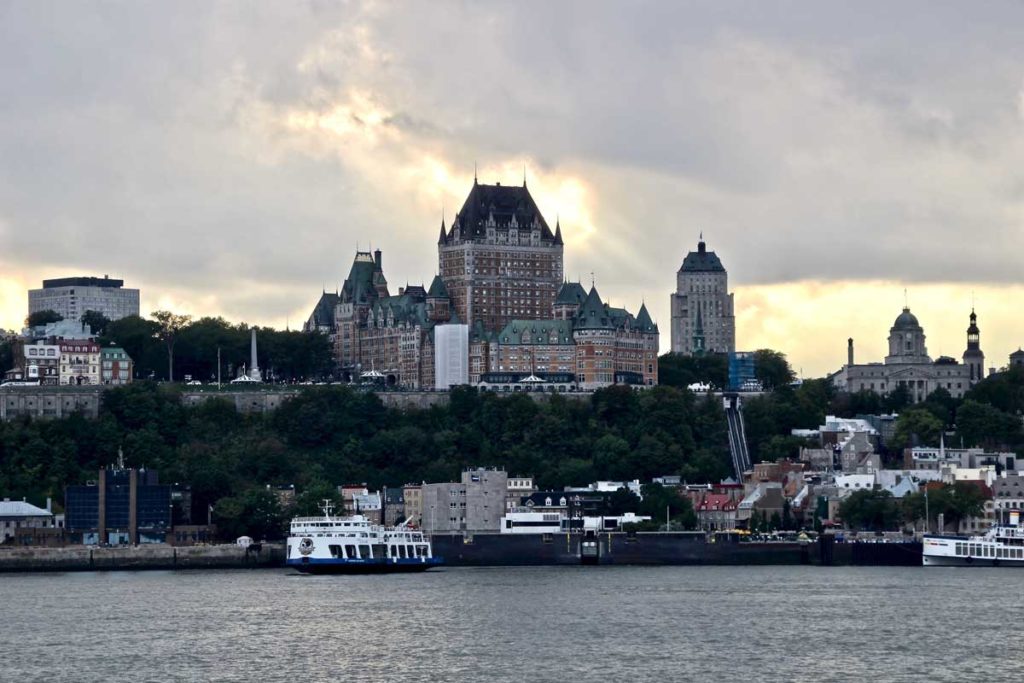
1002,545
335,545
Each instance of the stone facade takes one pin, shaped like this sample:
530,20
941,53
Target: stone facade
385,338
79,362
501,276
909,366
702,307
499,260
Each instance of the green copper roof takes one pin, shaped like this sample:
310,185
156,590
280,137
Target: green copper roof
437,289
643,320
571,293
531,332
592,314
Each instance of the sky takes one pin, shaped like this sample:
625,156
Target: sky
229,158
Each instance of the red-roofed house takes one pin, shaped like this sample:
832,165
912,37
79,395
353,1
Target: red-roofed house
716,511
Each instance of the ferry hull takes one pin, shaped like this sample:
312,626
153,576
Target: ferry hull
948,561
378,566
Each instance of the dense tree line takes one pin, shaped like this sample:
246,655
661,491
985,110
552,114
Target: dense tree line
287,355
989,416
875,510
331,435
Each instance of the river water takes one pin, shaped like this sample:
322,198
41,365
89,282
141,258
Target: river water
517,624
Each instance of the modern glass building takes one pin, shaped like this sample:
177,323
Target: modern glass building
124,506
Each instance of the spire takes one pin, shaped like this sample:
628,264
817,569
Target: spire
524,175
698,333
558,232
443,238
474,173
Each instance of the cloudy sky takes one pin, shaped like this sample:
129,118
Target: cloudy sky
228,158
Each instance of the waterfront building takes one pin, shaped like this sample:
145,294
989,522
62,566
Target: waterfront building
394,505
116,365
703,320
413,496
474,504
18,515
1008,492
124,506
499,260
518,489
908,365
71,297
716,511
79,362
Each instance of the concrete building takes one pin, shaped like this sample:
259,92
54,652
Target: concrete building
702,306
472,505
909,366
71,297
500,261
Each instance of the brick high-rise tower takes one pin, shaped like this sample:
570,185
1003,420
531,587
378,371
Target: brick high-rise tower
500,261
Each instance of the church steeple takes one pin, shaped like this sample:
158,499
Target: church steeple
698,333
973,357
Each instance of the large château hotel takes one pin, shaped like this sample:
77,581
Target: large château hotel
500,312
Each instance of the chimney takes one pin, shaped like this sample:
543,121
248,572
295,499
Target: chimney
849,351
376,259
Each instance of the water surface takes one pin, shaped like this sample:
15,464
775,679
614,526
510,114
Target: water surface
517,624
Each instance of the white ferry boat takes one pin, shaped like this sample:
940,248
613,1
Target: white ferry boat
1002,545
335,545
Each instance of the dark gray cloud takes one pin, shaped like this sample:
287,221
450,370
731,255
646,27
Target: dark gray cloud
231,156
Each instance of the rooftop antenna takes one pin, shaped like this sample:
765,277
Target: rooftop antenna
906,301
524,175
474,173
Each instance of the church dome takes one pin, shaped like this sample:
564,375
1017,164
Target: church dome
906,319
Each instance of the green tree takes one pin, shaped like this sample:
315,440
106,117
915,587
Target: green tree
169,325
869,509
254,513
42,318
954,502
916,426
95,321
981,424
658,499
678,370
772,369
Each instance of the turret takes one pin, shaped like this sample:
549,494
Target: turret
973,357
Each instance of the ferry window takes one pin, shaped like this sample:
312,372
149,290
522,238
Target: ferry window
350,552
335,550
364,552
